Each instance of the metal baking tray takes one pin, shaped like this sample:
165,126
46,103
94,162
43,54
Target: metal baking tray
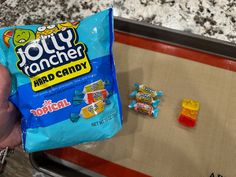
177,38
46,164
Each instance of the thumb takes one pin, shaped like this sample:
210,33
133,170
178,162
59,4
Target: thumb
10,134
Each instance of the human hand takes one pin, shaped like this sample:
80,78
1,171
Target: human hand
10,130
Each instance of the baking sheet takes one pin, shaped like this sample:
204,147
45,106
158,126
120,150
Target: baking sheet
162,147
176,37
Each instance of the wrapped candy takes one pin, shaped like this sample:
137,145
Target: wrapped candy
144,108
144,89
145,98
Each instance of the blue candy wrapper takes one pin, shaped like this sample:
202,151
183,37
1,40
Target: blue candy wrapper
52,67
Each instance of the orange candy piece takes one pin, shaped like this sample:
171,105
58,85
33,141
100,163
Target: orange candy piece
188,116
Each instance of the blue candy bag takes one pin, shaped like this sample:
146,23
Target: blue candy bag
63,81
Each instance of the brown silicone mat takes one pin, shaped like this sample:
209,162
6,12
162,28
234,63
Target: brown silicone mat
162,147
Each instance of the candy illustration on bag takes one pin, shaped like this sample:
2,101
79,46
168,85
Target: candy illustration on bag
97,85
91,97
92,109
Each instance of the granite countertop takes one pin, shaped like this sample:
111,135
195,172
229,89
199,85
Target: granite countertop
211,18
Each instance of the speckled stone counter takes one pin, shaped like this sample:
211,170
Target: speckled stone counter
210,18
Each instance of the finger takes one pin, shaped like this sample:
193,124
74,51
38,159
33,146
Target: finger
5,86
13,139
12,129
10,134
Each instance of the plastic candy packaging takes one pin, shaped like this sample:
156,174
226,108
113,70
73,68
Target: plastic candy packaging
53,68
145,98
74,117
144,89
144,108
